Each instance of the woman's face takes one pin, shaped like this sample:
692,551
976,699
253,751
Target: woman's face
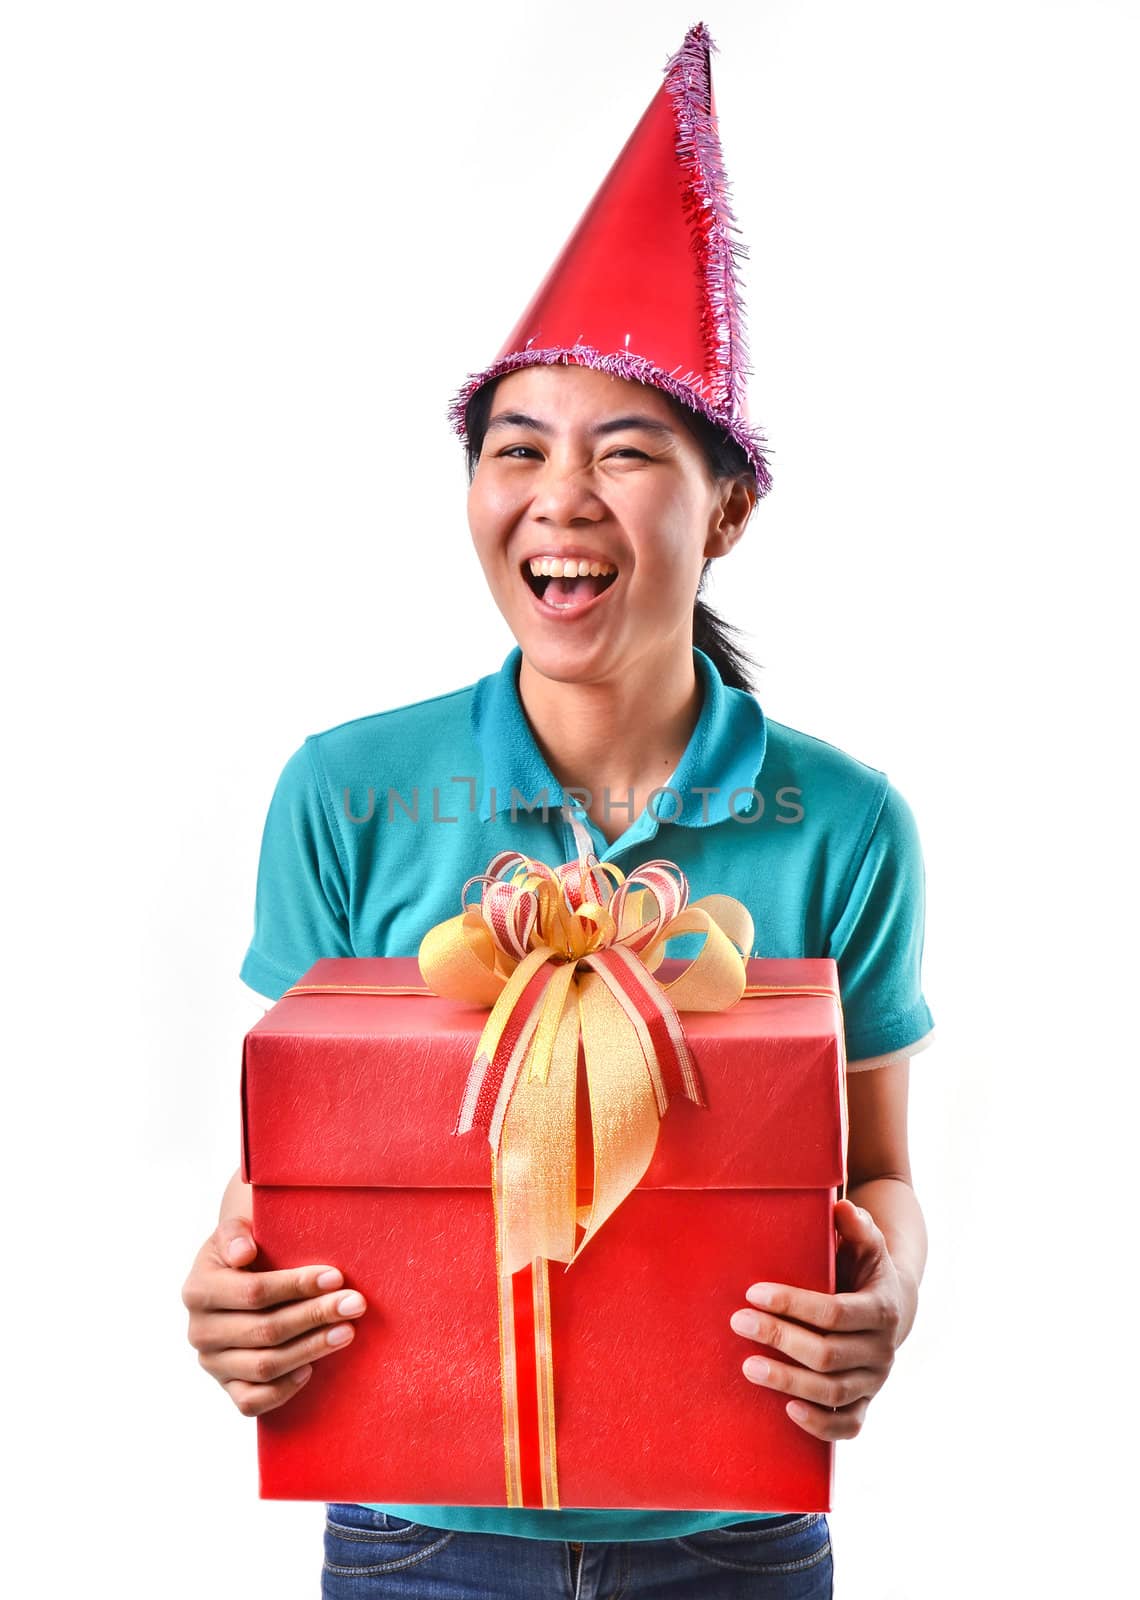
576,463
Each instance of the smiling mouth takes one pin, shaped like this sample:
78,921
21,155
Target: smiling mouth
567,591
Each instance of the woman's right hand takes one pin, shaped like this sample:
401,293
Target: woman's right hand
258,1333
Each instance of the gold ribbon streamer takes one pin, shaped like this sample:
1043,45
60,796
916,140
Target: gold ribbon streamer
565,961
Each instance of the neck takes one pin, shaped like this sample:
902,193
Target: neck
615,735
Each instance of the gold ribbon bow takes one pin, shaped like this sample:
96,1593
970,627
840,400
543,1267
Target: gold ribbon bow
561,955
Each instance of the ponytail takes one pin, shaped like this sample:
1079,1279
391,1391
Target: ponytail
712,635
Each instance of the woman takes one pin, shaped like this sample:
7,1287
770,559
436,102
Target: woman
622,687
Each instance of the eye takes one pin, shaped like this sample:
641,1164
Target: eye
628,450
511,449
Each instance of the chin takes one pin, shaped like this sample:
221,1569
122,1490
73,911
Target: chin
564,662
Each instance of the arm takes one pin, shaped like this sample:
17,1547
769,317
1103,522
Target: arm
258,1332
879,1176
838,1349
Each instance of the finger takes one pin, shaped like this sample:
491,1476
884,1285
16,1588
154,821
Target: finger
859,1230
255,1399
841,1390
272,1364
230,1330
852,1311
850,1218
233,1289
234,1241
825,1424
824,1352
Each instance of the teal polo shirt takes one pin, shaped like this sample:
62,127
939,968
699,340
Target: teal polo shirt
376,824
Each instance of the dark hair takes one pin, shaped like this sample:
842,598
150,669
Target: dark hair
724,459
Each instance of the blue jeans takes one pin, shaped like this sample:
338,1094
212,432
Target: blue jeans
371,1553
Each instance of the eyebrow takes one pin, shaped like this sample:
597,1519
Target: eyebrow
519,419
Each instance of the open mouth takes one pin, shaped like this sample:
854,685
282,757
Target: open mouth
567,594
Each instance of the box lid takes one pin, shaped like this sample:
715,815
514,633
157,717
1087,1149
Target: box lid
363,1090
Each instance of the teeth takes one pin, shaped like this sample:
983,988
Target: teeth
553,567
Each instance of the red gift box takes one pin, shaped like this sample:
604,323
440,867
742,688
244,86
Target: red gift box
348,1106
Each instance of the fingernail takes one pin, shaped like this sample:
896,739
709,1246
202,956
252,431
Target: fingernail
302,1375
745,1322
759,1294
329,1279
237,1247
795,1409
339,1335
756,1367
349,1304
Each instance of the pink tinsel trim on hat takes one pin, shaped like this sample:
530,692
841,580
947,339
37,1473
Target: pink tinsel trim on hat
624,364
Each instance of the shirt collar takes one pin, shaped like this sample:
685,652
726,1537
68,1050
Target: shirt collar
724,755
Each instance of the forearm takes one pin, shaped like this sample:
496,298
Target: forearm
238,1199
898,1216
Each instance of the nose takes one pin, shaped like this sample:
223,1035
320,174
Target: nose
565,494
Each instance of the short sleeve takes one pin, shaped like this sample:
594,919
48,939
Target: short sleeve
301,910
878,939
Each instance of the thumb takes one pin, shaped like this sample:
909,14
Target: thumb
856,1224
235,1241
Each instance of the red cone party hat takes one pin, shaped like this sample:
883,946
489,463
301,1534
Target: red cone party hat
646,285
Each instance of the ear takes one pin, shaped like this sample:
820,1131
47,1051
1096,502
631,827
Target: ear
730,515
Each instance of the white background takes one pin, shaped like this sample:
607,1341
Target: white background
250,252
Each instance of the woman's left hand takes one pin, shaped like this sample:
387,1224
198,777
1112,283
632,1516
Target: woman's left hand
846,1341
